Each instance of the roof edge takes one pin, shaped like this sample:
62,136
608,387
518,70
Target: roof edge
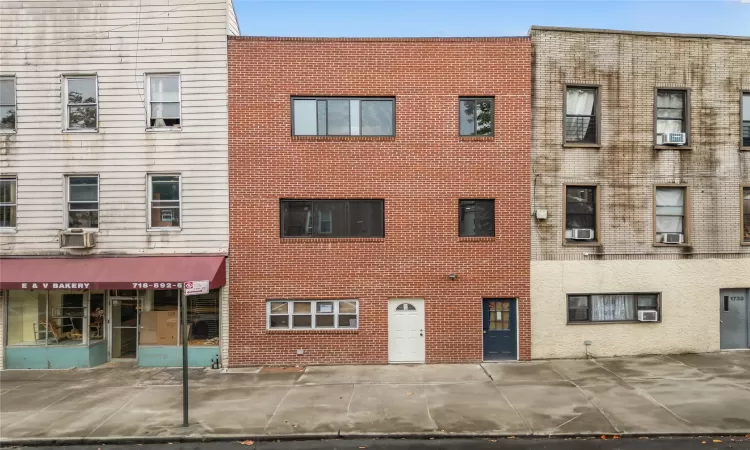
380,39
636,33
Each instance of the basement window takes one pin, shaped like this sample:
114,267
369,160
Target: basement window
312,314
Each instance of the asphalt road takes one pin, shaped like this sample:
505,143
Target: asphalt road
702,443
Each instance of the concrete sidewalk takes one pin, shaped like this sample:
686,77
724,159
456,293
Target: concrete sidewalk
707,394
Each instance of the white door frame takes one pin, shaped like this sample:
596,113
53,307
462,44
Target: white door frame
392,304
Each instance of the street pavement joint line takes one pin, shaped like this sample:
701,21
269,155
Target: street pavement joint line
590,400
708,374
45,408
117,411
642,392
513,408
486,373
277,408
566,422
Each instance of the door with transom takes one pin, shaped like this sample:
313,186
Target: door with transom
500,339
406,341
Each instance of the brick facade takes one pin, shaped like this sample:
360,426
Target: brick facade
421,173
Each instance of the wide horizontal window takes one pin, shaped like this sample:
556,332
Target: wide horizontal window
309,314
332,218
611,307
337,116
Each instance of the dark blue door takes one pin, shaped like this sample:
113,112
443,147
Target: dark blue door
499,328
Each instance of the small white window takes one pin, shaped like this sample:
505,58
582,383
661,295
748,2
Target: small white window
164,110
81,103
7,104
8,186
164,201
309,314
83,201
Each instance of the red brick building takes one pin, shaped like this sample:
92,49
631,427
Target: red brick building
379,198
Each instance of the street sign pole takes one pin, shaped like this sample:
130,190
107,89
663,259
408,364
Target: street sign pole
191,288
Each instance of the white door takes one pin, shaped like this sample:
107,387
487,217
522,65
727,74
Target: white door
406,330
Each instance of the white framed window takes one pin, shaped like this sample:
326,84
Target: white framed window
312,314
8,186
81,103
7,104
165,201
164,101
82,201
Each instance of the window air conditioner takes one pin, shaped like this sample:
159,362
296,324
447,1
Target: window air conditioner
77,238
582,234
673,139
648,316
672,238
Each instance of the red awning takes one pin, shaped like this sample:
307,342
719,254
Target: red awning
142,272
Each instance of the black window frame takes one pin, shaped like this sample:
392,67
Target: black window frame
596,115
326,99
595,189
744,124
314,234
636,308
685,112
492,116
462,203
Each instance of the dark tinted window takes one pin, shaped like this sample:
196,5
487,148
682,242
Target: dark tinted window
476,218
580,213
332,218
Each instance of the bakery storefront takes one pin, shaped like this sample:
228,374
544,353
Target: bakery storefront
62,313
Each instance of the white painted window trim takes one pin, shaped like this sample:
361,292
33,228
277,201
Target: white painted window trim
147,82
66,210
15,104
14,228
313,309
150,199
66,124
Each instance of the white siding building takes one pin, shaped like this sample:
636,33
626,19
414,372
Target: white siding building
114,131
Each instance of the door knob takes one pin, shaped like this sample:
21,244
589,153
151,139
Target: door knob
421,333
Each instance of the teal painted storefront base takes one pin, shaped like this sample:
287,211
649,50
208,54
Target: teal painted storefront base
56,357
171,356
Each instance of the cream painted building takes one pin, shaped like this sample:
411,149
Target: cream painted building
641,193
114,180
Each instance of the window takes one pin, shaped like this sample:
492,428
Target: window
7,104
319,314
671,112
581,109
164,201
670,215
83,201
610,307
580,214
476,116
81,103
746,119
746,214
338,116
8,202
332,218
203,318
476,218
164,101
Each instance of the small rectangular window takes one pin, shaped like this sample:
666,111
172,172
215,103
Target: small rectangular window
476,218
83,201
746,119
745,214
332,218
476,116
581,121
164,109
7,104
81,100
671,111
610,307
580,214
343,116
670,215
312,314
8,187
165,201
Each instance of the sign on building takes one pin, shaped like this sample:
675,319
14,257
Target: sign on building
196,287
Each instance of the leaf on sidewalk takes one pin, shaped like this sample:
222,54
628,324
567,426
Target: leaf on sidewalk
703,442
604,436
615,437
410,393
717,441
247,442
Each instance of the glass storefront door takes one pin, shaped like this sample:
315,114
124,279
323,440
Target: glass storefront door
124,327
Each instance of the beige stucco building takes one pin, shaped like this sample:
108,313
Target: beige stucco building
640,170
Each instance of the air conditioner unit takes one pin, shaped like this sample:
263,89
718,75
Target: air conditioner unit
673,139
77,238
582,234
648,316
672,238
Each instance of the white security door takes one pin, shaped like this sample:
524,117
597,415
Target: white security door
406,331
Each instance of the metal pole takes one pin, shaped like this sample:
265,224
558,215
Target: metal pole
184,360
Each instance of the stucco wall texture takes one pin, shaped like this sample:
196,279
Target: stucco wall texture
690,305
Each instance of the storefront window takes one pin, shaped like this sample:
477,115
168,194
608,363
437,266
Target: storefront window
203,318
97,317
27,318
66,317
159,319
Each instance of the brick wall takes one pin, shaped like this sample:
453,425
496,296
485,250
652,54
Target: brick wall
421,174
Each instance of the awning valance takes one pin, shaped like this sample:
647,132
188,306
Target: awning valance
141,272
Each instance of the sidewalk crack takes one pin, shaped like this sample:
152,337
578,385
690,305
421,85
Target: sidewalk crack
487,373
513,408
